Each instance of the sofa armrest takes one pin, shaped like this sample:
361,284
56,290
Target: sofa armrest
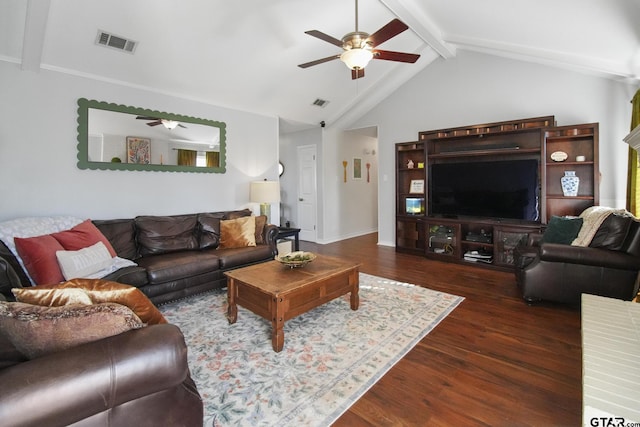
556,252
534,239
271,237
8,279
64,387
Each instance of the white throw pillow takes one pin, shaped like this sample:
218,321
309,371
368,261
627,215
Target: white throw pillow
84,262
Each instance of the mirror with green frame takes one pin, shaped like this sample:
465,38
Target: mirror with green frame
119,137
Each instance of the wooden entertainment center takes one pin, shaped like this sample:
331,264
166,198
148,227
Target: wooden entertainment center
489,241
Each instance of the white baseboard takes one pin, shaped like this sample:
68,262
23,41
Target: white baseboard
346,236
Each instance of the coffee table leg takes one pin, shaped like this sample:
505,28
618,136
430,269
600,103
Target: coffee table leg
354,280
277,324
232,310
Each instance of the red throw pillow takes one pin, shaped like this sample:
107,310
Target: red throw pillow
82,236
39,257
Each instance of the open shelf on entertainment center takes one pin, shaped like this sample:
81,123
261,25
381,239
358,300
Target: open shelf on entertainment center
487,243
484,240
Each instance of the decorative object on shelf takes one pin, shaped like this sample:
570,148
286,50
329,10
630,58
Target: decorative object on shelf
296,259
410,164
570,183
420,165
344,166
414,205
580,158
417,186
559,156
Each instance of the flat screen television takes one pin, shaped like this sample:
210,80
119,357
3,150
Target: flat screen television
492,189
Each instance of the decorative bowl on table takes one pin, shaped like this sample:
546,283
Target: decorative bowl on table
296,259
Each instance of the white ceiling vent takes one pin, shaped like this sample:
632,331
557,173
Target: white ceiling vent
115,42
320,103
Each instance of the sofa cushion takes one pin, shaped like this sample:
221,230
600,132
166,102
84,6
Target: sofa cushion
84,262
261,221
134,276
612,232
39,257
237,214
238,233
209,228
179,265
82,236
562,230
121,234
38,330
632,242
163,234
9,354
237,257
92,291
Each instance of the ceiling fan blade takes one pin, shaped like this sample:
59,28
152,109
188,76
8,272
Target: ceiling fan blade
156,123
356,74
319,61
325,37
146,118
392,29
388,55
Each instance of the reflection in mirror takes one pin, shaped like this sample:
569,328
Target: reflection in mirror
114,136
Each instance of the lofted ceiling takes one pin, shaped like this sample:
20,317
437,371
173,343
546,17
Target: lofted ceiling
243,54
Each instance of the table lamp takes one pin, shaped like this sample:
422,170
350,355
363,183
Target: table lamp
265,192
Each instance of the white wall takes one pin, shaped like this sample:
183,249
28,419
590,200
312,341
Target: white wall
356,210
475,88
38,154
345,209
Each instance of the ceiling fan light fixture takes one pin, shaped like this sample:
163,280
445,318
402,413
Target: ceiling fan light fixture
170,124
356,59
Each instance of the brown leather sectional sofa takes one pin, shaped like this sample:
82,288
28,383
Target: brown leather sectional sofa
561,273
177,255
140,377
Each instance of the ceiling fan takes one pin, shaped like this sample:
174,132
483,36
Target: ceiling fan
360,47
155,121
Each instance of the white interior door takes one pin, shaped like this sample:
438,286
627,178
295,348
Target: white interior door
307,193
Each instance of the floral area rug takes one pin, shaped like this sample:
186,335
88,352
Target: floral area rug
332,355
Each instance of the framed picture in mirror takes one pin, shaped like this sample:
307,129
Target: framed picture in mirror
138,150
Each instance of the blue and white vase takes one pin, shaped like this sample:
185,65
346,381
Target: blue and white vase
570,183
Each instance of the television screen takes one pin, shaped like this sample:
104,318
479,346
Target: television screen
494,189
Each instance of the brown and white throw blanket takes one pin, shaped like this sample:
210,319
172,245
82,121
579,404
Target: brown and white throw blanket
592,219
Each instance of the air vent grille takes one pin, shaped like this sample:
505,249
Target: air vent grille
320,103
115,42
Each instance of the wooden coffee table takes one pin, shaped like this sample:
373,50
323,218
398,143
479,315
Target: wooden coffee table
278,293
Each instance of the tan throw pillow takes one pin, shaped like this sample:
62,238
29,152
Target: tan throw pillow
35,330
97,291
238,233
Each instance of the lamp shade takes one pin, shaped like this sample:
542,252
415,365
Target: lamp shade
265,192
356,59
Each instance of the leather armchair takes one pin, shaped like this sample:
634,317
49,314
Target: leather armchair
140,378
562,273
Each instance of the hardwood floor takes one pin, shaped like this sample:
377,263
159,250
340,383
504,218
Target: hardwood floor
493,361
